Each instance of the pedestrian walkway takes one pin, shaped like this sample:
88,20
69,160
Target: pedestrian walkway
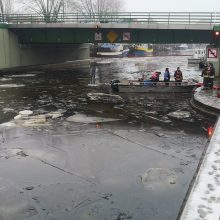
208,97
207,101
203,201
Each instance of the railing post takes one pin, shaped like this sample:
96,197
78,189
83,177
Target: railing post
189,17
168,17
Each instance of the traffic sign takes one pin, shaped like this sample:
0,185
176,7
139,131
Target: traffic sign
126,36
212,53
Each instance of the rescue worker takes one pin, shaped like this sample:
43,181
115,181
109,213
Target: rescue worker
208,76
155,77
167,76
212,75
178,76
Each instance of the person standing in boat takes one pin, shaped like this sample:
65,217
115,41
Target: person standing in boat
155,76
212,75
167,76
178,76
208,76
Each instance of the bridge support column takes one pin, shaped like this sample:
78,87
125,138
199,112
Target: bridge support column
13,54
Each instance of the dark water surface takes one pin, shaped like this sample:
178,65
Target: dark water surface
136,167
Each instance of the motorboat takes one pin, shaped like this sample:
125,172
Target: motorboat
153,87
111,50
198,57
140,50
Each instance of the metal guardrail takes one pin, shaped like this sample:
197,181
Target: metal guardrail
119,17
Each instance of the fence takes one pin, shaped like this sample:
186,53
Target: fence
119,17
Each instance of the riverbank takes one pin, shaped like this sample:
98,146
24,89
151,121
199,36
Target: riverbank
203,198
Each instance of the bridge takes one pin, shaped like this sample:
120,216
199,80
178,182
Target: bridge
32,34
122,27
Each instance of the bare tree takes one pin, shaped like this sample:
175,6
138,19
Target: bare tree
48,9
96,9
5,8
51,10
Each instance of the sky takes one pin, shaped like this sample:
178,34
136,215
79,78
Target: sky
172,5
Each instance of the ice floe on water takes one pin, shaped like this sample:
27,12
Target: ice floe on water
11,85
55,114
7,110
5,79
22,75
50,155
13,205
157,178
27,118
181,115
105,98
82,118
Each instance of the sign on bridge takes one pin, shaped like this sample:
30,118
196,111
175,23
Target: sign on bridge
212,53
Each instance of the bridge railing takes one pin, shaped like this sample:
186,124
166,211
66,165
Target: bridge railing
119,17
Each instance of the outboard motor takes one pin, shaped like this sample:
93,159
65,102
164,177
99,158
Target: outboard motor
114,85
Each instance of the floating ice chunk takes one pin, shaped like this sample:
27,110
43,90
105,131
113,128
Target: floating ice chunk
8,124
56,114
12,205
6,110
158,177
22,75
180,115
33,121
104,97
26,112
82,118
23,114
5,79
11,85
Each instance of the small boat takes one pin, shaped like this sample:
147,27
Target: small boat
140,50
198,57
182,47
153,87
111,50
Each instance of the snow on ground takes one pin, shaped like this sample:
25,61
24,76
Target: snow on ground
204,200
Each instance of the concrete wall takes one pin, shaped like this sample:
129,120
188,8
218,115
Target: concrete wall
13,54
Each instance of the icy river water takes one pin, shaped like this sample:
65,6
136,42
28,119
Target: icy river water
81,155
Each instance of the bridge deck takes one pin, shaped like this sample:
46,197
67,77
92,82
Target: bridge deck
137,25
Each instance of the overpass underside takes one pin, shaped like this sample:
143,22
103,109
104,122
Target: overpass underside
37,44
114,35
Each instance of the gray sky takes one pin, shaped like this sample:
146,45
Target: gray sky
172,5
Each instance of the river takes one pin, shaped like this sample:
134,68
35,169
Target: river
78,157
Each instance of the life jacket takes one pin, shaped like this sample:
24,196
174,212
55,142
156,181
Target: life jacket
166,75
155,76
178,75
207,72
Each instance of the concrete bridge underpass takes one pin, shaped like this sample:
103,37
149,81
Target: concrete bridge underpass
34,40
